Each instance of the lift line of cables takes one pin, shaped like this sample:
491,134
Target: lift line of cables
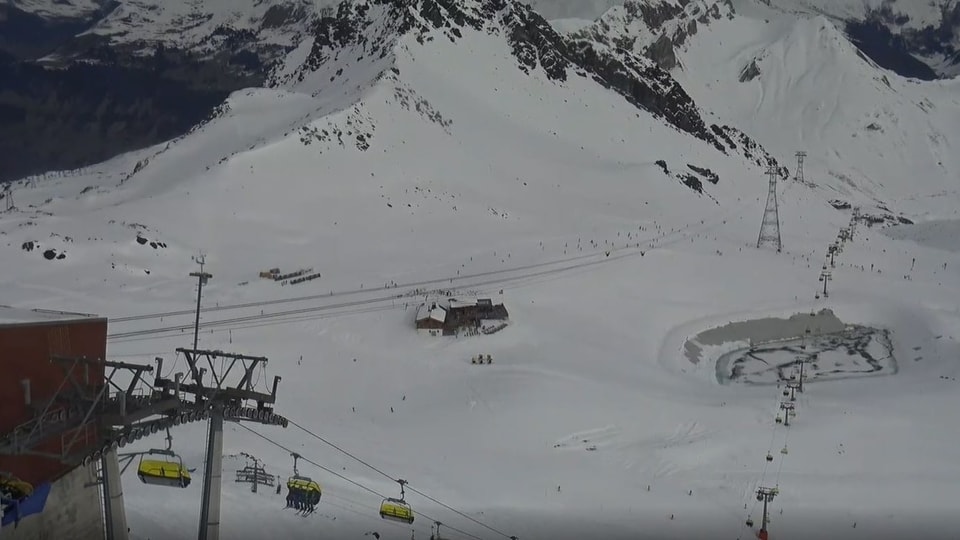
366,488
367,301
276,319
769,455
390,298
375,469
305,298
247,322
660,239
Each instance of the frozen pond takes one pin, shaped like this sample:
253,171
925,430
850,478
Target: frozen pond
859,351
770,350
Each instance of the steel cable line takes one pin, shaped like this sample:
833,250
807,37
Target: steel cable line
358,291
662,241
666,237
408,486
342,477
353,303
231,325
392,298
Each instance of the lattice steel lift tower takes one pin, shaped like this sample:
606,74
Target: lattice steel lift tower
799,176
770,226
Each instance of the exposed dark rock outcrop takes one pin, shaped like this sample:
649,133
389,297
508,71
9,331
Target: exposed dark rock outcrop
106,98
371,28
750,72
706,173
669,26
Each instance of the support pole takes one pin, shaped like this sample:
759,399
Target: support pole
115,515
202,278
800,382
763,519
210,508
766,495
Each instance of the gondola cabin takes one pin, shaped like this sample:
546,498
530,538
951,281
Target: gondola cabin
161,472
396,510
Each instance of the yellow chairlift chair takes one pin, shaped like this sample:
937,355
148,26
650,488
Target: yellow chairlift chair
302,487
397,509
167,470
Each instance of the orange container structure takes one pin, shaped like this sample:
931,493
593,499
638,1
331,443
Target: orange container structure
36,352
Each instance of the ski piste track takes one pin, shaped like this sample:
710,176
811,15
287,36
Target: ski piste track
408,291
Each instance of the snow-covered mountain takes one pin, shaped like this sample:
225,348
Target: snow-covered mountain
795,81
60,9
914,38
407,150
203,28
655,29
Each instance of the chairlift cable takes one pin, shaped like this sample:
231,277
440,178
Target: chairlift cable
342,477
422,494
398,286
389,298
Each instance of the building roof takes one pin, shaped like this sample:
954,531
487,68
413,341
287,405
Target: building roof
431,311
10,316
462,302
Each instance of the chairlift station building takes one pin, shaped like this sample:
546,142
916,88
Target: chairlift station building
460,314
29,380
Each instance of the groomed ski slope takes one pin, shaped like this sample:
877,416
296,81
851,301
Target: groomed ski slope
518,172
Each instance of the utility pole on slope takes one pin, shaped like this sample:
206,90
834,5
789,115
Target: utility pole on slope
791,391
787,409
8,195
825,277
799,176
770,225
202,278
800,382
765,495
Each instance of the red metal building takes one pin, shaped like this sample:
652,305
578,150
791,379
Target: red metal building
31,341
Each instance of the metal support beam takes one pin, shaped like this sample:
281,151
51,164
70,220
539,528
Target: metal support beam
202,278
113,497
210,508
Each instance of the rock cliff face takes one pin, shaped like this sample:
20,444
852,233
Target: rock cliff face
655,28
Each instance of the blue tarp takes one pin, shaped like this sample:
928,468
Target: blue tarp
15,510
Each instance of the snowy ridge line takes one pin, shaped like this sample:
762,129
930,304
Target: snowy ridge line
358,484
